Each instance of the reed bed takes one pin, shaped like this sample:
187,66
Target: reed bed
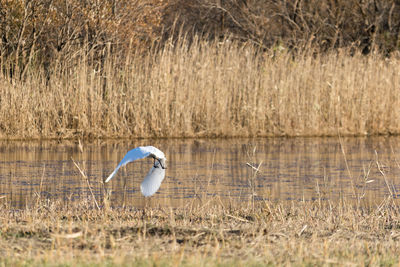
302,233
205,89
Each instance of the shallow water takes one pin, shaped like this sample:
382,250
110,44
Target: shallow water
292,169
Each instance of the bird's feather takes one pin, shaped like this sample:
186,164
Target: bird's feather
135,154
139,153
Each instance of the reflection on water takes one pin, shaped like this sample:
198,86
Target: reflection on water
292,169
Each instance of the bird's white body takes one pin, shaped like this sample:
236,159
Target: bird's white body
153,179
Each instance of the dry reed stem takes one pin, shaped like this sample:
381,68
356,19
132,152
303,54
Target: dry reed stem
87,182
206,89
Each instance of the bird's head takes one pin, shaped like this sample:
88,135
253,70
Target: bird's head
160,163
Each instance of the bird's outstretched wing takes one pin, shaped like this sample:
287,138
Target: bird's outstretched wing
153,180
138,153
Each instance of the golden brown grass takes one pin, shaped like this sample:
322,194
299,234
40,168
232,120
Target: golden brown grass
300,233
205,89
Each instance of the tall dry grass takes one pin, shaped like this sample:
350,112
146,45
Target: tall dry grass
205,89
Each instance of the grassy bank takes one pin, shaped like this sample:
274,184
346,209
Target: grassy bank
210,234
206,89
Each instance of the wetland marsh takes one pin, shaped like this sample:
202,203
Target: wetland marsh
317,201
313,200
290,169
254,114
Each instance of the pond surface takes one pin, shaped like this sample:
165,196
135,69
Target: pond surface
290,169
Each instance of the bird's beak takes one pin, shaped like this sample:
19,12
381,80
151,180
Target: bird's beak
163,163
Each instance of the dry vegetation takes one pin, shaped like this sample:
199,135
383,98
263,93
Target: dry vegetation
198,68
206,89
209,234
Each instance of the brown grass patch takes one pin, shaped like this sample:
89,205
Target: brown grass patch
297,233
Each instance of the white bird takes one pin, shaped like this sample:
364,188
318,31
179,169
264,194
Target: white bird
156,175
